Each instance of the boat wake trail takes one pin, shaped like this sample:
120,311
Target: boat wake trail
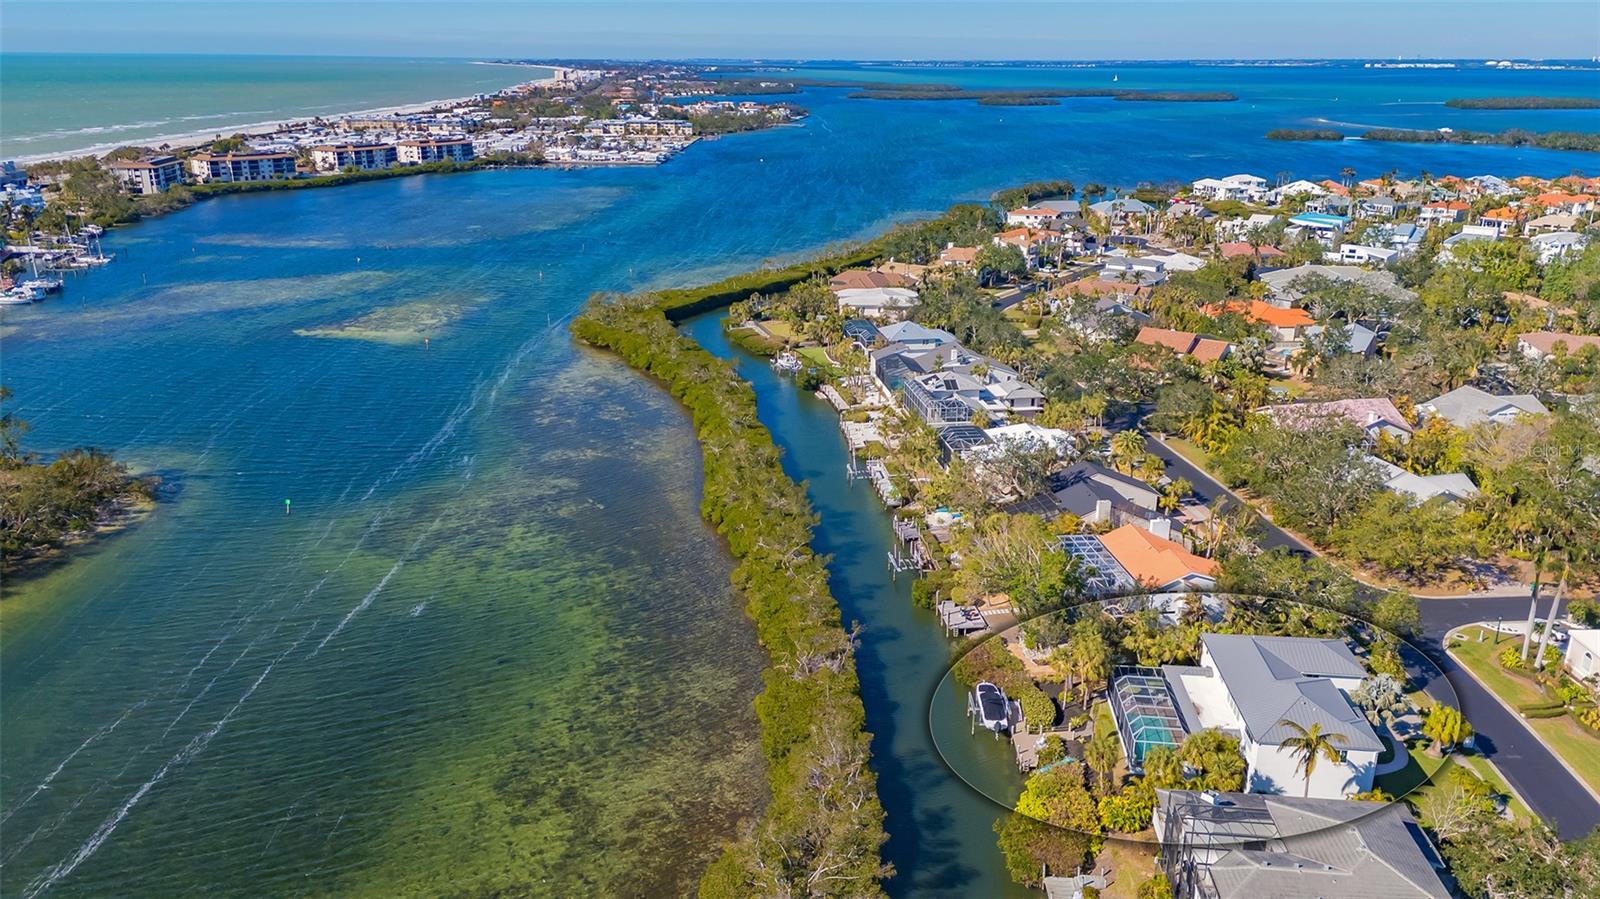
181,757
45,784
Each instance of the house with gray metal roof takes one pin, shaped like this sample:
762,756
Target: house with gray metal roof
1466,406
1260,689
1244,845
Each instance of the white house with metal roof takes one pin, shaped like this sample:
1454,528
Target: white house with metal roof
1249,686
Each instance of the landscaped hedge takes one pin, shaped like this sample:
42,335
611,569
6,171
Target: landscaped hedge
1542,711
821,831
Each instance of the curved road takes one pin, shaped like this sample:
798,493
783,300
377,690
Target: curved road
1544,783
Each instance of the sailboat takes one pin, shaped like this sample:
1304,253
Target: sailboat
1114,78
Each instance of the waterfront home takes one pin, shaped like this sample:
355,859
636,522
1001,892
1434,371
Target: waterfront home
148,175
1373,415
950,384
1452,486
1121,212
1098,495
1244,188
441,149
1286,324
1321,227
915,337
1185,343
1301,188
1582,657
1156,562
241,166
1558,245
958,257
1031,241
1031,216
1249,686
1360,254
867,279
1502,220
878,303
1543,344
1248,845
1443,212
362,157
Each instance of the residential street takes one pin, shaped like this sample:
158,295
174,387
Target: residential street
1533,770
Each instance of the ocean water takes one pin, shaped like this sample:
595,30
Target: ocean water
493,648
68,102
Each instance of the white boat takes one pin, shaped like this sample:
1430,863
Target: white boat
788,362
989,707
42,285
19,296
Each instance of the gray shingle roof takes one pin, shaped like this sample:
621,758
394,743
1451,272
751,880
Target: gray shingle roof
1276,678
1293,848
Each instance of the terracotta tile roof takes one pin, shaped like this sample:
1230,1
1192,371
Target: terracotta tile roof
958,254
1263,313
1546,341
1240,248
1452,205
1095,287
862,279
1503,214
1209,349
1561,199
1177,341
1153,560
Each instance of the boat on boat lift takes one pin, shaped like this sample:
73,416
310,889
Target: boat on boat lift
989,707
787,362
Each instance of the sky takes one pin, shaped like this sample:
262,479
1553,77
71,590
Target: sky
813,29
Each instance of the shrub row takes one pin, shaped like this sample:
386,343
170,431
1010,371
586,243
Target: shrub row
822,828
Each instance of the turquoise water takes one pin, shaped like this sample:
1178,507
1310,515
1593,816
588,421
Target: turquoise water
494,648
67,102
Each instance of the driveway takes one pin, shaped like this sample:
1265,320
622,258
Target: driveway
1533,770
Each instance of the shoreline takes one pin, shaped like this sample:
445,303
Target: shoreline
256,129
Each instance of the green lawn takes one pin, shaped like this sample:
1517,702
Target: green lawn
817,355
1187,449
1565,737
1414,782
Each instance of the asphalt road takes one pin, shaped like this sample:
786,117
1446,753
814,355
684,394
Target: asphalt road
1550,791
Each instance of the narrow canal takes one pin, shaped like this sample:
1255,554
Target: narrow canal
941,831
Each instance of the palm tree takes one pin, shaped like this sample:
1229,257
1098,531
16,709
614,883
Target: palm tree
1308,745
1126,446
1101,754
